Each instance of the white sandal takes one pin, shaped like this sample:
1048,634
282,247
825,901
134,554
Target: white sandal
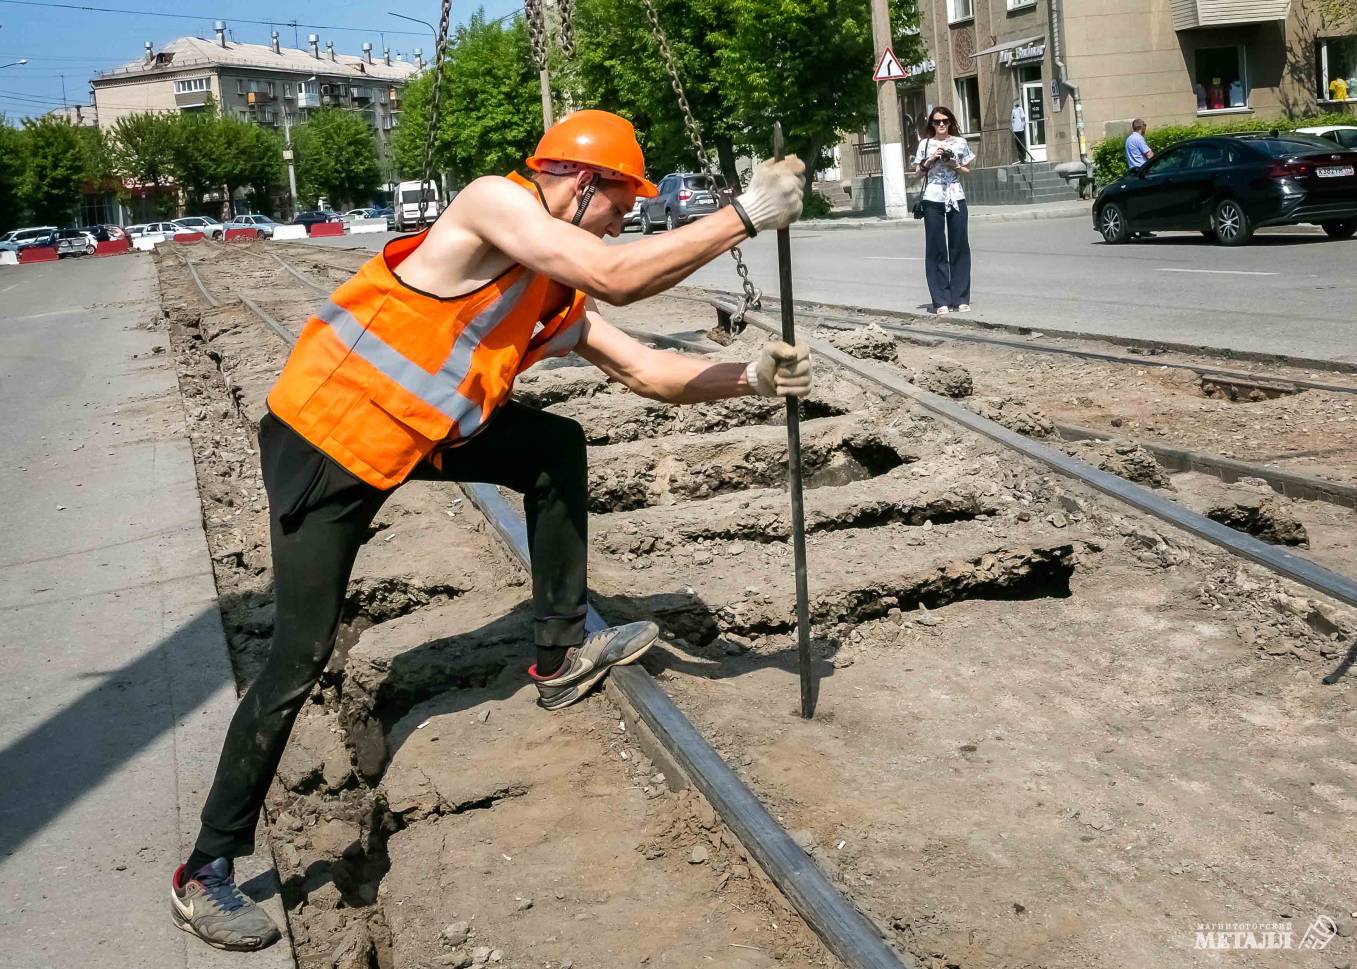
941,311
964,308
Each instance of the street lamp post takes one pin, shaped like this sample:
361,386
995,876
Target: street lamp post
20,62
416,20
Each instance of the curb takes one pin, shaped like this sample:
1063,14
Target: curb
852,223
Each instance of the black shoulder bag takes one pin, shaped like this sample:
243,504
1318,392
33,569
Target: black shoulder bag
918,209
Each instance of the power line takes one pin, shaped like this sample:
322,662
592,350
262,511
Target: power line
200,17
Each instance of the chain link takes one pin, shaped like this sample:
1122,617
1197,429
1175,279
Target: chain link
567,9
753,296
537,30
434,108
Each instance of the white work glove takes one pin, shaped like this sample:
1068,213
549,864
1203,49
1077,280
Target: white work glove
781,370
774,197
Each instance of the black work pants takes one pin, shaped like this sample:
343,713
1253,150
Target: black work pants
319,516
947,254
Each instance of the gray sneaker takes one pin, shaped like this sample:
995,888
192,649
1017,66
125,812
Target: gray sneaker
586,665
210,906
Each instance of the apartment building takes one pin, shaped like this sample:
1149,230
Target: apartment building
1110,61
266,84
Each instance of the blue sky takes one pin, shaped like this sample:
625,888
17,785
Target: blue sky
78,43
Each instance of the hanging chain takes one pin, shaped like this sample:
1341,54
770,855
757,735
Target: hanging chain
567,9
434,108
537,30
753,296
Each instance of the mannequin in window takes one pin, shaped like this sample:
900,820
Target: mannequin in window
1215,95
1236,94
1201,96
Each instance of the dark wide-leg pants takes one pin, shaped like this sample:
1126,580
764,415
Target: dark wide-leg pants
319,516
947,254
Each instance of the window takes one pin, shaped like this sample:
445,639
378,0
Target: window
287,89
307,87
1210,155
240,86
189,85
1170,161
1337,68
1220,78
968,104
1021,4
271,91
960,10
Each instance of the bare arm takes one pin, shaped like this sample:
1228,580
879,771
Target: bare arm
514,222
657,374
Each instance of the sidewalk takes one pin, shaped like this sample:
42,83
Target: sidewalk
115,685
1076,209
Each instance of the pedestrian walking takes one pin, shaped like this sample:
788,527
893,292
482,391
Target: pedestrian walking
1138,150
406,373
1019,127
941,157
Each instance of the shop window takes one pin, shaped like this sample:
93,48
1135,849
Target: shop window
1221,80
968,104
960,10
1337,73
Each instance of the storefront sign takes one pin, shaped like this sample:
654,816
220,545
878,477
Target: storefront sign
1025,52
923,67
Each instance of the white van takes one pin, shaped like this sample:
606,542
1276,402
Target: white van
407,204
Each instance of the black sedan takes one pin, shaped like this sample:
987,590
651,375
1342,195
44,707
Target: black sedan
1227,186
309,219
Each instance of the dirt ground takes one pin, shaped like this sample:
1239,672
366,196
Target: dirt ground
1049,733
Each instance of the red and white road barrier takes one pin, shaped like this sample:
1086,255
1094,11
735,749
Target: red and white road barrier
242,235
37,254
114,247
188,237
320,229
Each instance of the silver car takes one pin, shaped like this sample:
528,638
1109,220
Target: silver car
201,223
263,223
74,242
23,238
684,196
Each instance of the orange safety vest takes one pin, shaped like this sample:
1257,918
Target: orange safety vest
383,373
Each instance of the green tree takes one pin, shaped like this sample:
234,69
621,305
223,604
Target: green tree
617,67
12,208
336,157
142,150
249,157
194,152
491,112
56,162
808,64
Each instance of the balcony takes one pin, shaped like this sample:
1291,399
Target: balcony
191,99
259,97
308,99
1193,14
361,95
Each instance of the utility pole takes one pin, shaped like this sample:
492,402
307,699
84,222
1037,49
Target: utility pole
888,121
537,31
288,156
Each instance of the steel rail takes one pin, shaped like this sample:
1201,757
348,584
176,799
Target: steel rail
700,295
845,931
1307,573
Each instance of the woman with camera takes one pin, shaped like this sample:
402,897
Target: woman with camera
942,155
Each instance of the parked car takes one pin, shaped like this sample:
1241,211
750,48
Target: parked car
1227,186
166,229
407,204
38,235
352,214
263,223
387,213
74,242
1344,134
633,217
201,223
309,219
684,196
103,233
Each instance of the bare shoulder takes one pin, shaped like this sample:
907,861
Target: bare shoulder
492,190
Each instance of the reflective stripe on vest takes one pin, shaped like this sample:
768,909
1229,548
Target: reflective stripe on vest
439,389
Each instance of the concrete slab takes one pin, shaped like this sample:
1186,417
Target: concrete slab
115,684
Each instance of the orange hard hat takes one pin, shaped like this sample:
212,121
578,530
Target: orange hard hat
593,139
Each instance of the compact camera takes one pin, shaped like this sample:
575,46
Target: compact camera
947,155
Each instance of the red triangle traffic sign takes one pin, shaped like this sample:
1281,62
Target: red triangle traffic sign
889,69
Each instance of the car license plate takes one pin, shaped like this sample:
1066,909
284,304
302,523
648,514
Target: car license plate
1334,171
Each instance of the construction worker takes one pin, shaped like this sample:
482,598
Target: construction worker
407,372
